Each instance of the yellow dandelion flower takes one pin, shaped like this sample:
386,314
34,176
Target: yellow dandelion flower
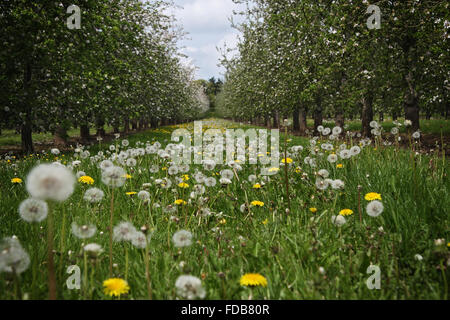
346,212
223,221
86,180
372,196
339,165
286,160
183,185
115,287
16,180
313,210
164,168
185,177
131,193
253,280
257,203
256,186
180,202
298,170
127,176
265,222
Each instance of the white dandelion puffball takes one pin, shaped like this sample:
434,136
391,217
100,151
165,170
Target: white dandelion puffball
332,158
182,238
33,210
124,231
131,162
143,195
173,170
326,131
190,287
416,135
50,182
345,154
210,182
418,257
355,150
323,173
373,124
93,195
139,240
55,151
114,177
394,131
224,181
337,131
322,184
227,174
338,220
337,184
93,248
13,258
105,164
374,208
84,231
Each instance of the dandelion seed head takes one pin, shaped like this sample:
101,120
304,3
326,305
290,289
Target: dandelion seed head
189,287
50,182
33,210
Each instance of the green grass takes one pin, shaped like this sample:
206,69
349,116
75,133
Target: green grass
288,249
11,138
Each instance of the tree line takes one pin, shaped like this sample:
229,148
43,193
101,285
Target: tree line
321,58
119,67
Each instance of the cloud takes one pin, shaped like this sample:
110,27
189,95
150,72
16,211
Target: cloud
208,25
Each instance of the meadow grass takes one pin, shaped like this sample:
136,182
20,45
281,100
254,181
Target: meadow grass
302,254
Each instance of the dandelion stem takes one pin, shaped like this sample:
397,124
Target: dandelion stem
126,263
147,272
111,231
50,261
85,286
286,170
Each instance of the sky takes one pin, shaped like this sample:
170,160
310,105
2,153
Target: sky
208,26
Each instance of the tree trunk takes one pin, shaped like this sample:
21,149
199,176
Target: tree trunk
27,138
367,114
60,136
26,130
84,133
153,123
339,119
126,124
411,97
295,119
302,120
134,125
276,119
394,116
100,127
